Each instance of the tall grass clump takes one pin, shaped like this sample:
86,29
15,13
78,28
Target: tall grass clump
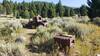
44,34
9,29
15,25
10,49
83,19
91,44
12,24
60,22
73,26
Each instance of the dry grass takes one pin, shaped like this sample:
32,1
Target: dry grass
86,47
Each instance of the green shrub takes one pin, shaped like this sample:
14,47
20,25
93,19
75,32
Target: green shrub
97,21
83,19
72,26
61,22
44,34
9,49
80,30
8,29
44,37
41,33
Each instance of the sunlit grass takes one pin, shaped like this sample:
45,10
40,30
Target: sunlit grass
85,47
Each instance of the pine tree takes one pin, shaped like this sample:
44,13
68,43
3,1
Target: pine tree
83,10
15,8
51,11
17,14
59,9
8,6
25,5
25,14
44,11
72,12
39,8
32,14
67,11
1,9
32,8
94,8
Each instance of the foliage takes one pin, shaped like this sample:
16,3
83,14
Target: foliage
9,49
51,12
44,34
9,30
44,10
83,19
91,44
94,9
80,30
8,6
84,32
25,14
28,10
71,25
97,21
2,9
61,22
59,9
5,31
32,14
17,14
83,10
72,12
44,37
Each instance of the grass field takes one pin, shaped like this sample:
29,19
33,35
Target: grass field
87,42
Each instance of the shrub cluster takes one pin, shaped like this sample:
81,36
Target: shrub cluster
8,29
9,49
96,21
80,30
11,25
73,26
44,34
83,19
44,37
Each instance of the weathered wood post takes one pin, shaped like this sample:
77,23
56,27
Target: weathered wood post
65,43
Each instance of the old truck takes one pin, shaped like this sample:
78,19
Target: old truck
36,21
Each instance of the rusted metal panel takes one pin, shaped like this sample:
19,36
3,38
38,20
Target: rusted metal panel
68,40
65,42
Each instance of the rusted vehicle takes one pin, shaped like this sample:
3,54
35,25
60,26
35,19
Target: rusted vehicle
64,42
36,21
